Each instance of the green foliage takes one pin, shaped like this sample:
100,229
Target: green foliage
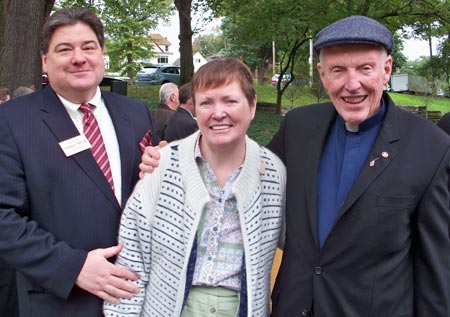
443,62
209,44
434,103
147,94
128,24
264,126
92,5
399,59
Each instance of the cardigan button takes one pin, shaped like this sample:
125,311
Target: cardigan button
212,310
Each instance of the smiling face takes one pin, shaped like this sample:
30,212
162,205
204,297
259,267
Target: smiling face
354,76
223,115
74,62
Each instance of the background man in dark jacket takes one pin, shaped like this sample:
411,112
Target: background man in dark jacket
168,96
183,122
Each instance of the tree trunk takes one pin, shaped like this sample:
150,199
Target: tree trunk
185,36
20,61
261,71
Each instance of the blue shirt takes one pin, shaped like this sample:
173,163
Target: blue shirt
341,161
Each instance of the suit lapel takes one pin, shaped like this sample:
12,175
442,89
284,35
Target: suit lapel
59,122
126,139
384,150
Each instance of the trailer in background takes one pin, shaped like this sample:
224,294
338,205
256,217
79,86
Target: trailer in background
410,83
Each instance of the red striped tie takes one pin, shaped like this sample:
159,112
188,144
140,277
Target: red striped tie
93,134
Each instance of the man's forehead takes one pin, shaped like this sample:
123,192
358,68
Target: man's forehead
65,34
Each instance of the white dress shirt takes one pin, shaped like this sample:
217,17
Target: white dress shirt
108,134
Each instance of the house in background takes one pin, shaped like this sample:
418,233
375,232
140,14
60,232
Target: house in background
162,49
197,59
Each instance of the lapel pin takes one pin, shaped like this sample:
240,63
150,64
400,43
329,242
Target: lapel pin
372,163
261,168
384,154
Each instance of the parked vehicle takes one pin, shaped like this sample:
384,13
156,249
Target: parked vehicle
286,78
409,83
158,75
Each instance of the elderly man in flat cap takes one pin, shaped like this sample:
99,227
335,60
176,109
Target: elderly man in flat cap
367,201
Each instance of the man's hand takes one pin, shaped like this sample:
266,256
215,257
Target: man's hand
150,159
104,279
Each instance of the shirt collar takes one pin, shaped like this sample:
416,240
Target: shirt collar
73,107
368,123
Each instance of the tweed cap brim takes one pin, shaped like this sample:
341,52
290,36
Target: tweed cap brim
354,30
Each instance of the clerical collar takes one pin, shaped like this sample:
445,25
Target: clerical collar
366,124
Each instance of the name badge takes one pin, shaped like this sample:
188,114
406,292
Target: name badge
75,145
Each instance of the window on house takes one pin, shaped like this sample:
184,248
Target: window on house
167,48
163,59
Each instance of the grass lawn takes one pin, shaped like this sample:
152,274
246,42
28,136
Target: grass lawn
266,123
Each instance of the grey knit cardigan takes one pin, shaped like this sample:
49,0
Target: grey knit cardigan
161,218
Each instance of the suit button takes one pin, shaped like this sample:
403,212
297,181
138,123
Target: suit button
317,270
304,312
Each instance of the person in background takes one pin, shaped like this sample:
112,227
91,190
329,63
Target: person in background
69,158
444,123
168,96
21,91
183,122
367,199
202,230
4,95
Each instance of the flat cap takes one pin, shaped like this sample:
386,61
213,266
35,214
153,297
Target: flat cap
354,30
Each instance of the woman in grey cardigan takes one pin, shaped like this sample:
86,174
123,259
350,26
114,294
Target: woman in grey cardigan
201,231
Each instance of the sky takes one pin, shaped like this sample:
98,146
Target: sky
413,49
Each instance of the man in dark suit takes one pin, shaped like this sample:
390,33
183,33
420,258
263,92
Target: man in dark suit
367,203
168,96
59,213
182,123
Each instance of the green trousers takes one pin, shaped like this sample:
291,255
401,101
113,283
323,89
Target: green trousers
211,301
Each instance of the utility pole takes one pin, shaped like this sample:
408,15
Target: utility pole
273,59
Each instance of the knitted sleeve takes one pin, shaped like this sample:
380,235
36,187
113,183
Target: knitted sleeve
135,237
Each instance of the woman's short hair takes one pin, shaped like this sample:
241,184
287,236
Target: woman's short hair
223,71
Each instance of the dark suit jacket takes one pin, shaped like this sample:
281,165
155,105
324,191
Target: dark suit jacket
388,253
162,116
181,125
53,208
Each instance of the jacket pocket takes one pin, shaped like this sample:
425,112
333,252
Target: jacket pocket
405,201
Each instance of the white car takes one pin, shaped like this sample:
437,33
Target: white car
286,78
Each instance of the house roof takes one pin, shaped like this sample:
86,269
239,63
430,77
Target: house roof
159,39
